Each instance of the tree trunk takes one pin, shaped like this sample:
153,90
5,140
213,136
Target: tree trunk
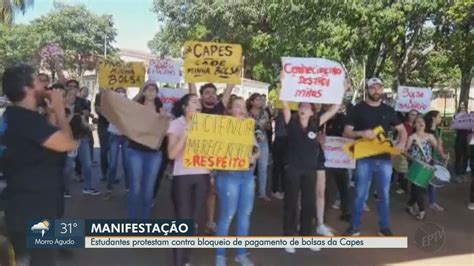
466,77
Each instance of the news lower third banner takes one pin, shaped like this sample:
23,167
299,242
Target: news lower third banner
124,233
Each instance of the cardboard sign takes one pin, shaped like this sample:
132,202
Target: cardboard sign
165,70
114,75
169,96
313,80
133,119
413,98
335,155
219,142
463,122
212,62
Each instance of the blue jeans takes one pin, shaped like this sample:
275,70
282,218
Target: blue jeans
117,145
143,168
262,168
431,194
366,169
68,172
84,155
236,192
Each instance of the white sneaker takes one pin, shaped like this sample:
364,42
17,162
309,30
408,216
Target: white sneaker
336,205
366,207
278,195
290,250
470,206
315,249
324,230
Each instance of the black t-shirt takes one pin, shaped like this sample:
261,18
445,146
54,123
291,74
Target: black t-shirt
34,173
335,126
218,109
303,150
137,146
364,117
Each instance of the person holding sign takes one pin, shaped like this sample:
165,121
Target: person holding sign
361,121
190,185
236,193
303,163
144,162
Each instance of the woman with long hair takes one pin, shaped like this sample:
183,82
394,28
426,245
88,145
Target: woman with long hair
143,162
236,193
255,108
420,145
304,161
433,120
190,185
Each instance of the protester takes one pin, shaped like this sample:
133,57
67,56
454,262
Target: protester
236,193
433,120
360,122
335,128
144,162
303,162
470,206
84,95
211,104
102,130
461,148
279,150
118,144
44,79
34,159
420,146
190,185
256,111
79,108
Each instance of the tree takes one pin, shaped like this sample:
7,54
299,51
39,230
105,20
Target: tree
80,33
8,8
456,36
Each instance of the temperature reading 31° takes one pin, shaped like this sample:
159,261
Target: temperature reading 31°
67,228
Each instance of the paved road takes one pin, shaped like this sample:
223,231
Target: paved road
457,221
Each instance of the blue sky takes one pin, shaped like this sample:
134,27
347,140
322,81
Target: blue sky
134,21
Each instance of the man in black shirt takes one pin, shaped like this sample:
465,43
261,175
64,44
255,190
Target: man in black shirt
34,158
360,123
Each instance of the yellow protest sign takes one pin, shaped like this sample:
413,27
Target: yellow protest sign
363,148
279,105
212,62
119,74
219,142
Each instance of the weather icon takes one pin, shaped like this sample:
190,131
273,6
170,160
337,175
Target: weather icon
42,227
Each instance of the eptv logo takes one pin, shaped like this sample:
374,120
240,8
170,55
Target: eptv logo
430,237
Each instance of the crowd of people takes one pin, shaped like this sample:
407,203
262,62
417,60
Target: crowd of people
40,164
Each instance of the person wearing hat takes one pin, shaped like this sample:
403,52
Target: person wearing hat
361,121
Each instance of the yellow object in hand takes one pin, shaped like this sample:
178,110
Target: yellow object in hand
362,148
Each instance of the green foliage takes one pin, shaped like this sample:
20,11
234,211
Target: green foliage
390,39
8,9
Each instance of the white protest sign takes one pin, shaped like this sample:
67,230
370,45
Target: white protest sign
413,98
165,70
169,96
335,156
463,121
314,80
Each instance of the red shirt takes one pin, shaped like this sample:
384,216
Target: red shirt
409,128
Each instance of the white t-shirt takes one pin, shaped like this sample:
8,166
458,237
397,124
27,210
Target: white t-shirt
113,129
177,128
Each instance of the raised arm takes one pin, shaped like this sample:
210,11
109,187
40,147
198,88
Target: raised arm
286,112
329,114
192,88
227,94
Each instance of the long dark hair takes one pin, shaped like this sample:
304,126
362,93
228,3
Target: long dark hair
314,119
158,103
179,106
251,99
429,120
